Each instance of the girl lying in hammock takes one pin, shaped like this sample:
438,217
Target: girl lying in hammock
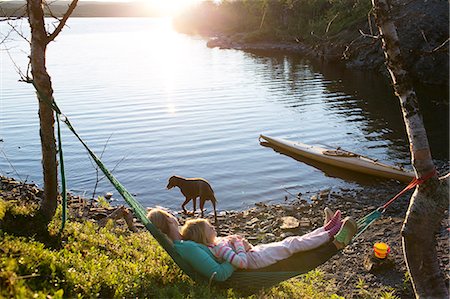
201,257
242,255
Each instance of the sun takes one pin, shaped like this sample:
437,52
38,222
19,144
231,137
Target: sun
169,7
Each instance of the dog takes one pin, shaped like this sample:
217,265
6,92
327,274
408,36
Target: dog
193,188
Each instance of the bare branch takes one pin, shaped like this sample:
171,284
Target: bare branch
63,21
13,28
50,12
424,37
369,20
441,46
369,35
96,167
23,77
10,164
329,24
6,37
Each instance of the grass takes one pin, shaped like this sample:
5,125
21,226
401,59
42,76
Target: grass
87,261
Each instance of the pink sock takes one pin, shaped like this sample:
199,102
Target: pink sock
333,221
335,229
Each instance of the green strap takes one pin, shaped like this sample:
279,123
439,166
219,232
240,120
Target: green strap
367,220
63,176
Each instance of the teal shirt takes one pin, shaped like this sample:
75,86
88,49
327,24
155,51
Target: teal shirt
202,260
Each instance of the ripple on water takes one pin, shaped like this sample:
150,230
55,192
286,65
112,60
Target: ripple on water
157,107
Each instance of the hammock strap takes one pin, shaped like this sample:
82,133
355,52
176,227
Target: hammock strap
63,177
411,185
363,223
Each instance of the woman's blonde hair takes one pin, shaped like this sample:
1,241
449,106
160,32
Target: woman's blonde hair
160,218
195,230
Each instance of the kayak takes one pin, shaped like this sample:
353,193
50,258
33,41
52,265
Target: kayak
341,158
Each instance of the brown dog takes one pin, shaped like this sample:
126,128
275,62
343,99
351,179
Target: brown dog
193,188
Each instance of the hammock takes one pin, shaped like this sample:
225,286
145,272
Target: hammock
243,280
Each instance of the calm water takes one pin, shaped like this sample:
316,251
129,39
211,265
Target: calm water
161,103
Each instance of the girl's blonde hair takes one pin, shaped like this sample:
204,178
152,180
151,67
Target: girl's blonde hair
195,230
160,218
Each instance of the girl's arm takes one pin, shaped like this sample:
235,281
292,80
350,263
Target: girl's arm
202,261
247,245
237,257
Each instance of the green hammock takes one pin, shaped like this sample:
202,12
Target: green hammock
244,280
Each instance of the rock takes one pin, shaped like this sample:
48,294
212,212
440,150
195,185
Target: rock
373,264
324,195
289,222
305,222
252,221
269,238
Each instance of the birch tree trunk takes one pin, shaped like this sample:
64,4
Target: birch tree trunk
46,119
40,38
430,199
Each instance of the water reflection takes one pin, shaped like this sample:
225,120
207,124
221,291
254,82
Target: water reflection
363,98
173,106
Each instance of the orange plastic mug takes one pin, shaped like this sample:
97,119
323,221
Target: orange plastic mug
381,250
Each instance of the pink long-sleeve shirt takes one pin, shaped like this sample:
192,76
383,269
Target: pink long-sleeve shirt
264,255
232,252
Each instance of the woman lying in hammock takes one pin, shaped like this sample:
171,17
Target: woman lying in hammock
198,245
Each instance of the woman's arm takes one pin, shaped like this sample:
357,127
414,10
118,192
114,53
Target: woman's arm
202,261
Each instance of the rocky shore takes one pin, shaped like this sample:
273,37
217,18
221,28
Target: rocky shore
301,213
422,28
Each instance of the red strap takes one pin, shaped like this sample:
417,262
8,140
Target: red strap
414,183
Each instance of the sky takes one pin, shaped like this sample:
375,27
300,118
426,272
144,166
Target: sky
168,6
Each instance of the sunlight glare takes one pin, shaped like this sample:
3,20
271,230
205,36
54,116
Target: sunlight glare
171,109
169,7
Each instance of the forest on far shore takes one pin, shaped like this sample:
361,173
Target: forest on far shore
275,19
329,30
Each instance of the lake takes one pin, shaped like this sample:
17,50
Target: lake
155,103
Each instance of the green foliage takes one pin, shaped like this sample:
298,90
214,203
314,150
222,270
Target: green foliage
380,293
86,261
388,295
92,262
274,20
311,285
102,202
3,207
20,208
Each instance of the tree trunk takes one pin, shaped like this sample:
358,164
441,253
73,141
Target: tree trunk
430,199
39,41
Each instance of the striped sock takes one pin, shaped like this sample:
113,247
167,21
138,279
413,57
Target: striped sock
335,229
335,220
